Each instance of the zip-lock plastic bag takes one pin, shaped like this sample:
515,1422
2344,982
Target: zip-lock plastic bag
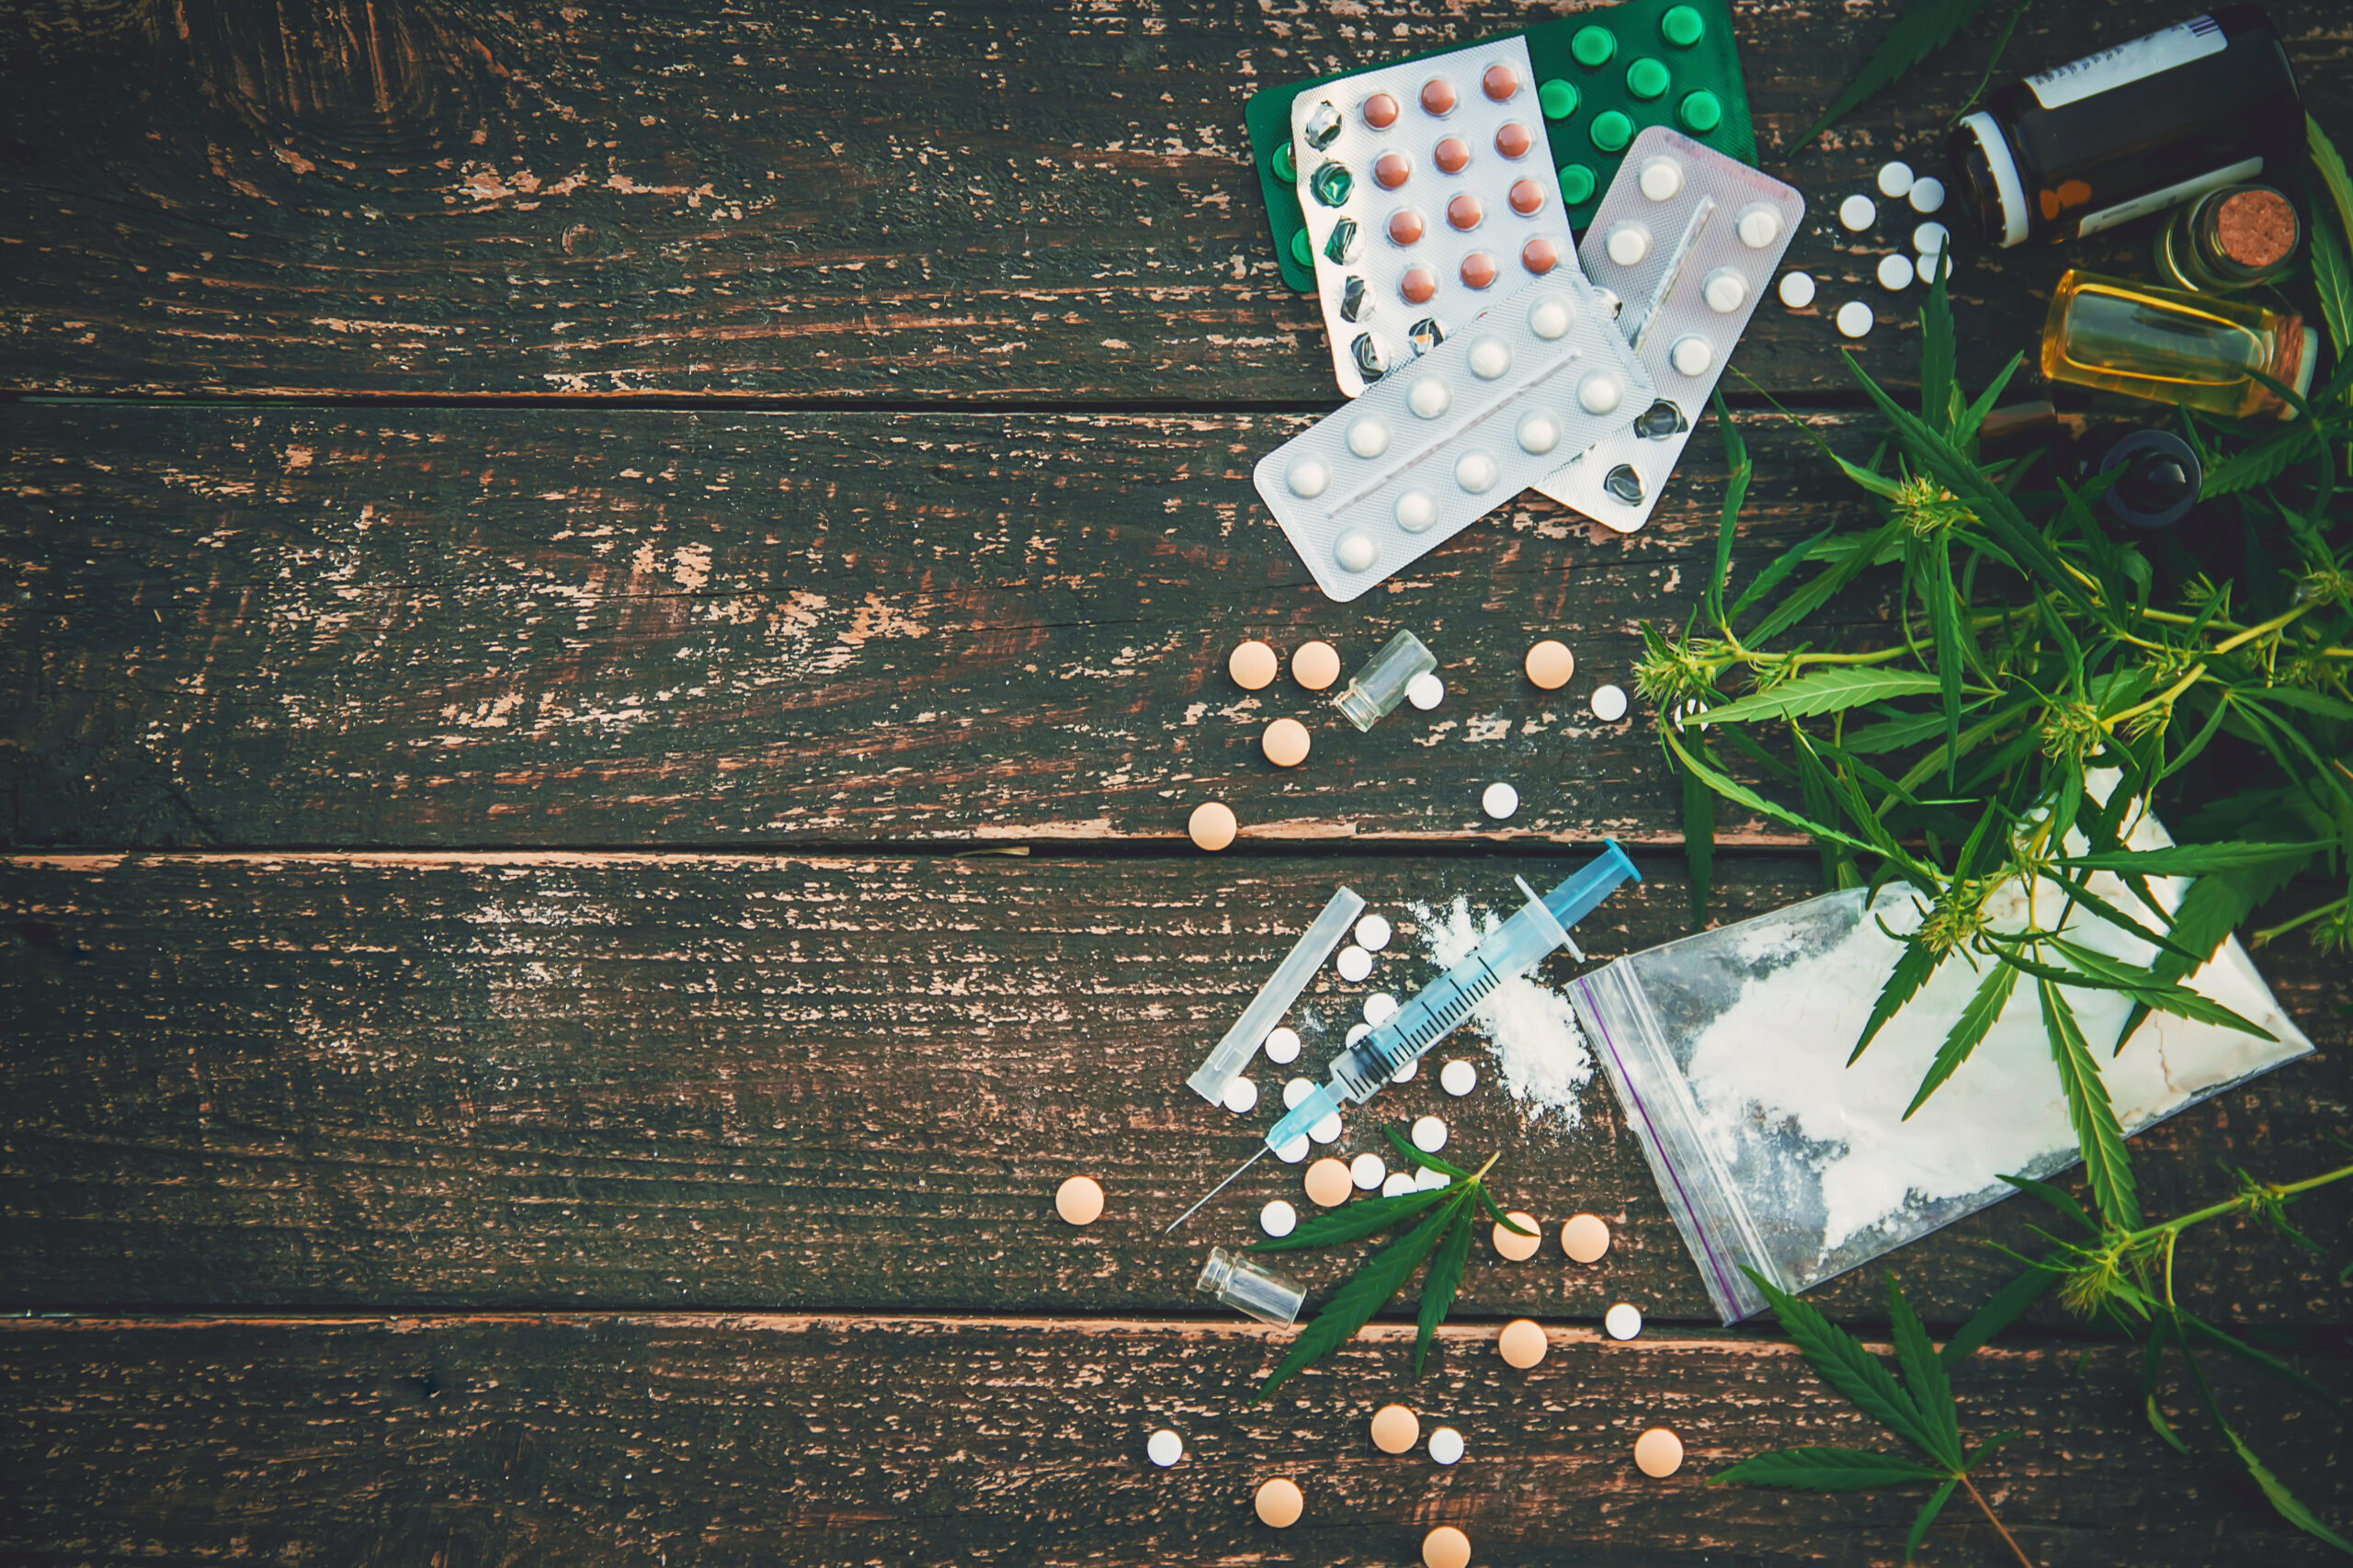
1728,1054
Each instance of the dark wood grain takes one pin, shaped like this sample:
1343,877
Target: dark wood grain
413,196
635,1081
412,628
697,1441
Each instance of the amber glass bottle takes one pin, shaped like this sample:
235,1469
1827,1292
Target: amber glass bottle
2187,349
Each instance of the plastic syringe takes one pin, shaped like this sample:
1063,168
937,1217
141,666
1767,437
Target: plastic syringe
1513,949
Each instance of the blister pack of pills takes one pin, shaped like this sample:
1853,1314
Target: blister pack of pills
1437,444
1689,241
1428,193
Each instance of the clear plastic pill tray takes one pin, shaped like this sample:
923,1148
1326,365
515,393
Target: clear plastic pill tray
1433,447
1429,191
1691,241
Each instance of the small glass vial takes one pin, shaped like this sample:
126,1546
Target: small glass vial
2190,350
1246,1286
2229,239
1380,685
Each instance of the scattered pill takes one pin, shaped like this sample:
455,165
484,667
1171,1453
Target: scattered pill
1295,1091
1307,478
1446,1445
1426,691
1396,1182
1163,1447
1691,356
1282,1045
1326,1131
1395,1430
1857,214
1511,1243
1252,665
1894,272
1894,179
1797,290
1757,226
1211,825
1458,1078
1379,1009
1278,1219
1490,357
1291,1153
1357,1031
1429,1135
1585,1238
1658,1453
1354,963
1475,472
1928,193
1368,1171
1407,1073
1241,1097
1608,703
1429,399
1931,240
1315,665
1627,244
1549,664
1521,1343
1599,392
1499,801
1079,1200
1285,742
1280,1504
1446,1547
1428,1179
1854,318
1373,933
1328,1183
1661,179
1623,1321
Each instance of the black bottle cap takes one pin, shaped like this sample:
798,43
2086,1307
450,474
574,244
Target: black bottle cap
2157,479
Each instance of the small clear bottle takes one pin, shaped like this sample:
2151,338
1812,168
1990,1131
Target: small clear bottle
2190,350
2230,239
1249,1287
1376,688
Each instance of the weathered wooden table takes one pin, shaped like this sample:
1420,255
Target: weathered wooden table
556,559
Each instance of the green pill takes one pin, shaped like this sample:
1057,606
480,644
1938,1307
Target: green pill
1593,46
1612,131
1285,168
1646,79
1681,27
1576,183
1558,99
1701,111
1303,249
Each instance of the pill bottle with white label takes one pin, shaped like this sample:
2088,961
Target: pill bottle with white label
2133,129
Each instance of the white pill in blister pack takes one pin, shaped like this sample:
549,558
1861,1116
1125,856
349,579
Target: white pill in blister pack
1472,424
1428,192
1714,241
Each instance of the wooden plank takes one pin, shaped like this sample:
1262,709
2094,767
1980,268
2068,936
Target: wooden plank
470,629
981,202
632,1081
703,1441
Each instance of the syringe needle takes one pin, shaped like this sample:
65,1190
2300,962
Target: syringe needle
1215,1190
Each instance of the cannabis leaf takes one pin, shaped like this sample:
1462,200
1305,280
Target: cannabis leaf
1924,29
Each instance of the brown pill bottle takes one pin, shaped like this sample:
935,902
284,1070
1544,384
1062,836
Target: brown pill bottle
2133,129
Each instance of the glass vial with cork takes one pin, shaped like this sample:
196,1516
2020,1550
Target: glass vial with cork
2190,350
2131,130
2229,239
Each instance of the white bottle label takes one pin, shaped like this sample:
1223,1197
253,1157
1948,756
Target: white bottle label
2125,211
2193,39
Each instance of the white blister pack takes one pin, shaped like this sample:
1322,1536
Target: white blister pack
1435,446
1691,241
1428,192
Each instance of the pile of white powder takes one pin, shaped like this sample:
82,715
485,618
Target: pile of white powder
1540,1053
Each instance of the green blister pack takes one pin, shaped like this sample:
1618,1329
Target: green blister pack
1602,76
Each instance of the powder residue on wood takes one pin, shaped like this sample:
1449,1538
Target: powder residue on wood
1541,1055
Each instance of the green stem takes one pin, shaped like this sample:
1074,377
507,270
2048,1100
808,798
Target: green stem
2274,624
2262,938
2175,1226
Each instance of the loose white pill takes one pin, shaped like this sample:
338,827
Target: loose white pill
1397,1182
1490,357
1623,1321
1241,1097
1599,392
1429,398
1291,1153
1429,1135
1499,801
1894,272
1725,290
1928,193
1405,1074
1379,1009
1797,290
1446,1444
1426,691
1930,237
1417,511
1367,1172
1369,438
1551,318
1296,1090
1278,1219
1327,1129
1307,478
1894,179
1373,933
1354,962
1757,226
1282,1045
1429,1180
1163,1447
1608,703
1628,244
1857,214
1661,179
1355,550
1357,1031
1854,318
1691,356
1458,1078
1475,472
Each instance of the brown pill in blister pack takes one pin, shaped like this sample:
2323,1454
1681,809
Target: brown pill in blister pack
1418,284
1392,169
1479,270
1452,155
1513,140
1437,97
1380,111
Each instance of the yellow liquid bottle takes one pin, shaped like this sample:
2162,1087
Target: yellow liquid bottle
2192,350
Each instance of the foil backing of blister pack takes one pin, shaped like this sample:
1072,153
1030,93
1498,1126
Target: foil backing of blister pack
1431,447
1711,233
